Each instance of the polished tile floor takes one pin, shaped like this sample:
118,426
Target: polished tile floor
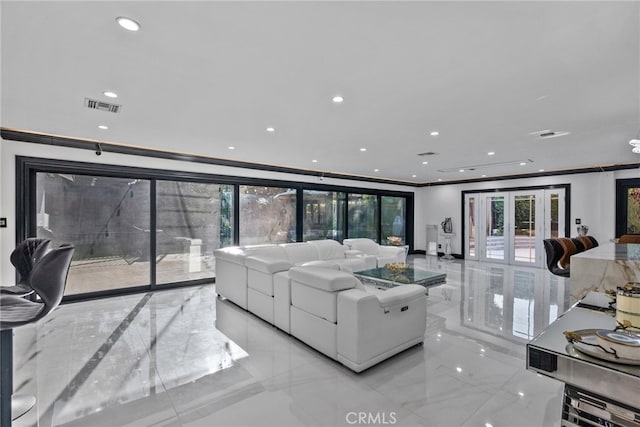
184,358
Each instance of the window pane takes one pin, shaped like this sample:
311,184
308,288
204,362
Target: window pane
525,228
495,227
106,219
393,220
267,215
363,216
193,219
323,215
472,226
555,215
633,211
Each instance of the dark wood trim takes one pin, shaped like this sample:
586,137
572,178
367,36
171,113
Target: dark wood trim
88,144
591,169
109,147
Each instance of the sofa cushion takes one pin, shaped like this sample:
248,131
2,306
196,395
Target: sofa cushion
299,253
329,249
323,278
318,302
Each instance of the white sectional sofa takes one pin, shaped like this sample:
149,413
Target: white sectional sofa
299,287
232,270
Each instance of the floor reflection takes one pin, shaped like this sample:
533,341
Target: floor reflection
512,302
184,357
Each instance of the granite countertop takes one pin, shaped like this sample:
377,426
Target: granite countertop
612,252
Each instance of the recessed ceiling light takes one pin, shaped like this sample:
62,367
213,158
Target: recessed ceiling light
103,127
363,149
338,99
127,23
439,179
434,133
110,94
461,170
271,129
523,163
413,176
484,176
491,153
376,170
231,148
314,161
540,170
425,163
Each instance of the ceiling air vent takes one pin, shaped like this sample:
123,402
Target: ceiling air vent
428,153
548,133
94,104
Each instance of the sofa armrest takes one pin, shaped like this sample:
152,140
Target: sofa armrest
400,295
232,254
267,265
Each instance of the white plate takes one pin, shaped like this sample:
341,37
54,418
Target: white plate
589,336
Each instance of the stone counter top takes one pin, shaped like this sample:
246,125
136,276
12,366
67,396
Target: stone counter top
611,252
604,267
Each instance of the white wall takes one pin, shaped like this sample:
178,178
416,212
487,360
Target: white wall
10,149
592,200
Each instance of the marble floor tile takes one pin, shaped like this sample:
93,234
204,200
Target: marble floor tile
183,357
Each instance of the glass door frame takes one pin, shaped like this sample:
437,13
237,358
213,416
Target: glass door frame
564,211
539,227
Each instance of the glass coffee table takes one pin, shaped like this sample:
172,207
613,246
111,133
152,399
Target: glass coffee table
383,278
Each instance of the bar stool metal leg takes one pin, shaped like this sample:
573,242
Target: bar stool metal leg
12,406
6,376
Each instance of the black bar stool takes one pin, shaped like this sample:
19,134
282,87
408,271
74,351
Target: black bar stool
23,258
48,279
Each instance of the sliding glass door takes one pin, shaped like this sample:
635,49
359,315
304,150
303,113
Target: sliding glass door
142,229
508,227
106,219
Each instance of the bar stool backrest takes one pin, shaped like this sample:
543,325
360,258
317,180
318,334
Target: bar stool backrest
26,254
49,277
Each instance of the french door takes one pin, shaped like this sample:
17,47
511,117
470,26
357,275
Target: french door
508,227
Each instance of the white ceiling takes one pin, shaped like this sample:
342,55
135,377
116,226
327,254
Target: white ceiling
202,76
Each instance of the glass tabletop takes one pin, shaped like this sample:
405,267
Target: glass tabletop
410,275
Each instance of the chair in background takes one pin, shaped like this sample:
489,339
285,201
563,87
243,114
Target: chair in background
48,279
629,238
588,242
554,252
383,254
23,258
